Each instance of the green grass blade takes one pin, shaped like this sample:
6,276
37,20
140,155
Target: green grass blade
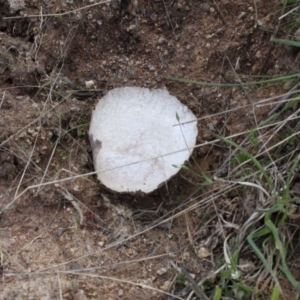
275,293
218,293
261,257
289,178
282,252
251,157
286,42
214,84
244,288
275,208
260,232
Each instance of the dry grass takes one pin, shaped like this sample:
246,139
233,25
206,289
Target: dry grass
236,229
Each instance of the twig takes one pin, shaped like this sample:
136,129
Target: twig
73,201
168,15
57,14
1,102
289,12
271,47
283,99
219,13
197,289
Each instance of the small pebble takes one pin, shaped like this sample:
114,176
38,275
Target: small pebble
161,41
287,85
166,286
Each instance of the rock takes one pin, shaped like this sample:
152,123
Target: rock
203,253
166,286
161,41
287,85
136,143
16,5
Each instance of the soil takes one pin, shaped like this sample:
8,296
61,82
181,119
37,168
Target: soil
64,236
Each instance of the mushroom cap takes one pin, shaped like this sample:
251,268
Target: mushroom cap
136,140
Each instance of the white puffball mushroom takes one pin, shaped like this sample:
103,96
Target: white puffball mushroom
136,138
